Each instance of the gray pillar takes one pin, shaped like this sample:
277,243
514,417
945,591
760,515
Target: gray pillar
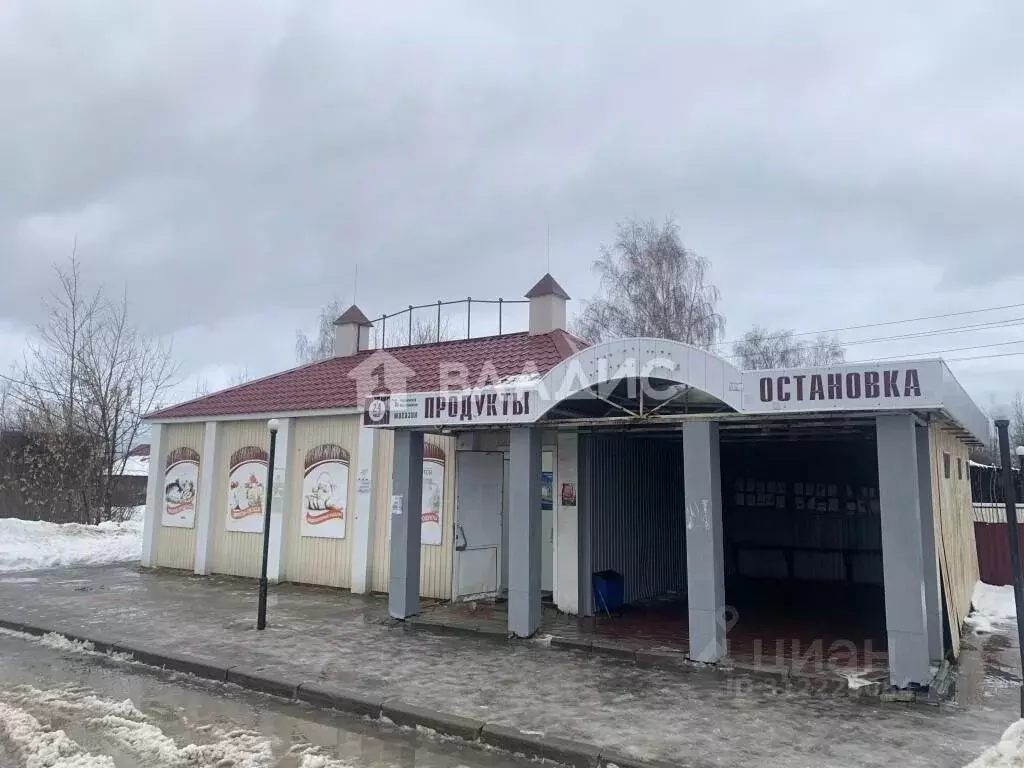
705,561
524,531
405,507
902,550
932,583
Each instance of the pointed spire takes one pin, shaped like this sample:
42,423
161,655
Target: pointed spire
547,286
353,315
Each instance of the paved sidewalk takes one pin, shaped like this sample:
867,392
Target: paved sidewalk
700,716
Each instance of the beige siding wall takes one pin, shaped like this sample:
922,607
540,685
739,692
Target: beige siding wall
435,562
954,526
234,553
176,547
318,560
382,462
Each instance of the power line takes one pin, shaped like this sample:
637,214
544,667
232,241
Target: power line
982,357
989,325
892,322
941,351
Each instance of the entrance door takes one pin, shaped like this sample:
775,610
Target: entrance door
478,495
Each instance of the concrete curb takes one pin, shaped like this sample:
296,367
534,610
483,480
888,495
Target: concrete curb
563,751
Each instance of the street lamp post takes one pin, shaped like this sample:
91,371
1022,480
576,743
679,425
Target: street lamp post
1010,499
261,619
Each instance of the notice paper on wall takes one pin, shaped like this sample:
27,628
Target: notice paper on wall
397,504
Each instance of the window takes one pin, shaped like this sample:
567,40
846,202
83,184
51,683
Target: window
945,465
959,469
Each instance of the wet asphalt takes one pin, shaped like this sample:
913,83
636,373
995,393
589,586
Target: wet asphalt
119,713
693,716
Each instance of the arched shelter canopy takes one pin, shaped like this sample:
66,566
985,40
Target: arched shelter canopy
639,377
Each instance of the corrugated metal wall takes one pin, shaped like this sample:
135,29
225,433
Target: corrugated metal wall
435,562
954,526
234,553
176,547
308,559
635,504
993,543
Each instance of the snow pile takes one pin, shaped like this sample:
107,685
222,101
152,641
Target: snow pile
992,606
1008,753
36,746
314,759
30,544
123,725
61,643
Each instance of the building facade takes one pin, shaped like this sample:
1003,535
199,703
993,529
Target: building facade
525,464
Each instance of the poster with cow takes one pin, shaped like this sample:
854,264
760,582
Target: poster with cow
247,482
181,481
433,495
325,492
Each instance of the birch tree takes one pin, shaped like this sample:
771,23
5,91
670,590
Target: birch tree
651,284
760,348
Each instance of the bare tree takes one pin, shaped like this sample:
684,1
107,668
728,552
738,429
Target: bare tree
83,389
397,333
6,402
761,348
1016,422
652,285
400,334
824,350
321,345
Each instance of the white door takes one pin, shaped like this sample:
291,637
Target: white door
478,496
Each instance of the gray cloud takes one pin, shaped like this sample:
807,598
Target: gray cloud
232,164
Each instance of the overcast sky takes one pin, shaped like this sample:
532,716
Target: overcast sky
232,162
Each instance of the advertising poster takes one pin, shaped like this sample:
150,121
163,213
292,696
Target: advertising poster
568,494
433,496
181,480
247,480
325,492
547,489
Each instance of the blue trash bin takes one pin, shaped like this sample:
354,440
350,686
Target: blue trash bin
609,591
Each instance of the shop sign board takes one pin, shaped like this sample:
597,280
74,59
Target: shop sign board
846,387
854,387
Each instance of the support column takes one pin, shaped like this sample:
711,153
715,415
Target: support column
902,550
209,502
362,521
524,531
705,561
567,538
406,503
932,582
279,511
154,494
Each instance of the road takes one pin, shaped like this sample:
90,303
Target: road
65,707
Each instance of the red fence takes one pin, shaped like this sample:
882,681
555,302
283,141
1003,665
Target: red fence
994,552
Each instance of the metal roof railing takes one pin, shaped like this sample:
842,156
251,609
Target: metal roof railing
437,329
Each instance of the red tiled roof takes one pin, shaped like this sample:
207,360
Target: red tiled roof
336,382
